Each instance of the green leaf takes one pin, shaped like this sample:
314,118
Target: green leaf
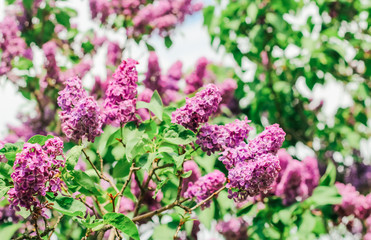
87,46
91,223
155,105
10,2
63,18
163,232
179,160
248,210
121,169
168,42
40,139
67,205
159,187
208,15
328,179
85,181
113,138
11,147
146,160
22,63
150,47
73,156
122,223
27,4
131,136
324,195
5,170
7,230
178,135
308,222
3,191
187,174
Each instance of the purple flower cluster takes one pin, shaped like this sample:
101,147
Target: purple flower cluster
114,54
196,174
127,7
195,80
270,140
296,179
11,44
166,85
36,171
213,138
353,203
100,9
79,70
144,96
253,177
359,175
198,109
81,116
146,16
162,15
253,168
234,229
205,186
7,214
120,102
52,69
2,157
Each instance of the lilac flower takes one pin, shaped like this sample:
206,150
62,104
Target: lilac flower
363,207
234,229
195,80
311,173
196,174
227,90
231,156
214,138
100,9
205,186
11,43
52,69
175,71
296,179
253,177
2,157
269,141
120,102
54,149
79,70
153,74
161,15
292,184
359,175
144,96
126,205
35,174
83,121
114,54
8,214
349,198
198,109
127,7
71,94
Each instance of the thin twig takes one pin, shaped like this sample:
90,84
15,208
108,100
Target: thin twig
178,229
100,174
55,225
207,199
157,211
